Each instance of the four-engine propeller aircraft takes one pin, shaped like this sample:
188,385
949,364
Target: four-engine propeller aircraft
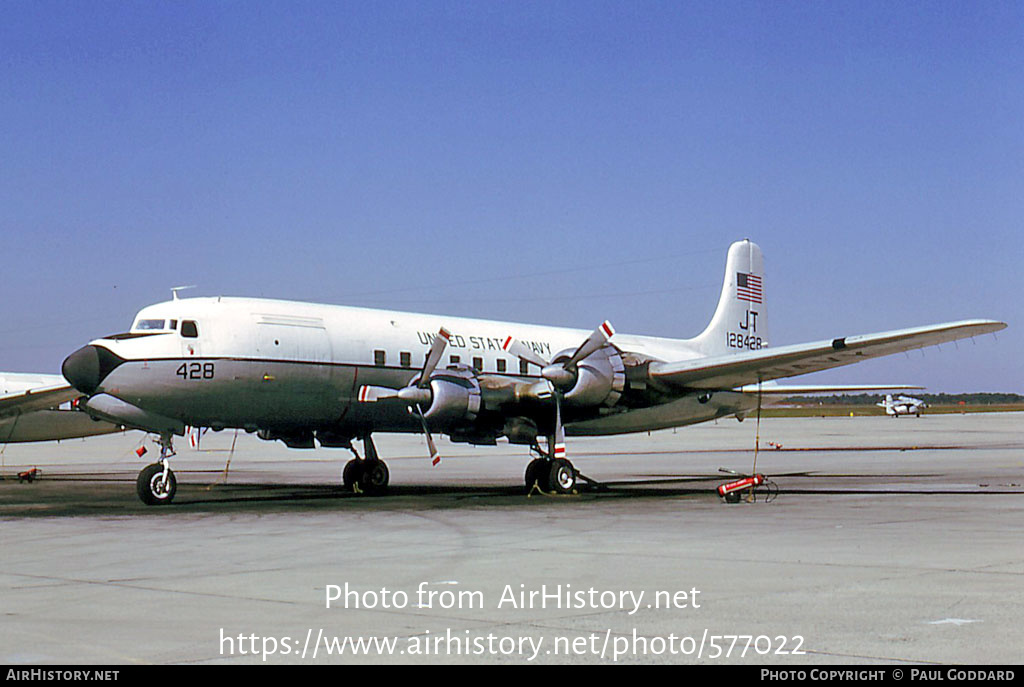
902,405
306,373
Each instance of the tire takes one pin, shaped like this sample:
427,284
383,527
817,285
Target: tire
149,485
352,473
375,478
534,471
562,476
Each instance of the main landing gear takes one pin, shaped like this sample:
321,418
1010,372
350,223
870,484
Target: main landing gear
367,475
156,483
551,474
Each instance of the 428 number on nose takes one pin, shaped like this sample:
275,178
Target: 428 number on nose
195,371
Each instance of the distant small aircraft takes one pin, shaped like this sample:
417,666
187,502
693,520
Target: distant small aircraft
309,374
902,405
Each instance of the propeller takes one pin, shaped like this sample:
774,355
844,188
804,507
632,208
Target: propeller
415,394
561,376
435,457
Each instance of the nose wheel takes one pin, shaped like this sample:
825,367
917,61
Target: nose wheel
155,488
156,484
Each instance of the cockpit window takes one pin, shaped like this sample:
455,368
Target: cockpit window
149,325
189,329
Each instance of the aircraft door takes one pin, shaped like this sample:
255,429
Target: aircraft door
283,343
295,369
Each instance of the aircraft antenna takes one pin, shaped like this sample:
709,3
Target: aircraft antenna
176,289
757,437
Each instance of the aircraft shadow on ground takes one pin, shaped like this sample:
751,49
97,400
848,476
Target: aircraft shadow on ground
67,496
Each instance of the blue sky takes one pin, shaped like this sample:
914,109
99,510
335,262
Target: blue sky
550,162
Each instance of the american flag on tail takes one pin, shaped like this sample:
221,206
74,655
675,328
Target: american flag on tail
748,288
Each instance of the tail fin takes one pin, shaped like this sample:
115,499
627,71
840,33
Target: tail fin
739,323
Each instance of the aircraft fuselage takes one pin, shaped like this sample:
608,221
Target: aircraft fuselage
284,366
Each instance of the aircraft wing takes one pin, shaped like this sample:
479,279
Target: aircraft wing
797,389
740,369
39,398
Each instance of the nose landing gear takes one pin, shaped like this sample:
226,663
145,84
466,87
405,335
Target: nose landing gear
156,484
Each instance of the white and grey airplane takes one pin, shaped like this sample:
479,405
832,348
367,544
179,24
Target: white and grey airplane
306,373
41,407
902,405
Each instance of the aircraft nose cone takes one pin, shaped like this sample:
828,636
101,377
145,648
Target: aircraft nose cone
82,369
87,367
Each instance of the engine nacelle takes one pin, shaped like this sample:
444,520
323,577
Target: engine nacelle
600,377
302,438
455,397
521,430
112,409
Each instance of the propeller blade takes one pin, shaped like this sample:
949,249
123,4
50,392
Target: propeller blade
433,357
596,339
372,394
523,352
558,450
435,457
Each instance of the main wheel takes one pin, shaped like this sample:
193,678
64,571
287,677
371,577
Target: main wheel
375,477
352,473
151,488
562,476
537,473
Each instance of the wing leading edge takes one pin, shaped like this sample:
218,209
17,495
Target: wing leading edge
41,398
772,389
740,369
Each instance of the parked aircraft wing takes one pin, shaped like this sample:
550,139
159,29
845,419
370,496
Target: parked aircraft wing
39,398
749,367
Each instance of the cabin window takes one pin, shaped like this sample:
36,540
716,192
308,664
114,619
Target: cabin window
478,363
148,325
501,365
454,359
405,359
524,367
189,329
174,324
379,358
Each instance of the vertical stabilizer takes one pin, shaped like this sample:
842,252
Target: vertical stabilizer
739,323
